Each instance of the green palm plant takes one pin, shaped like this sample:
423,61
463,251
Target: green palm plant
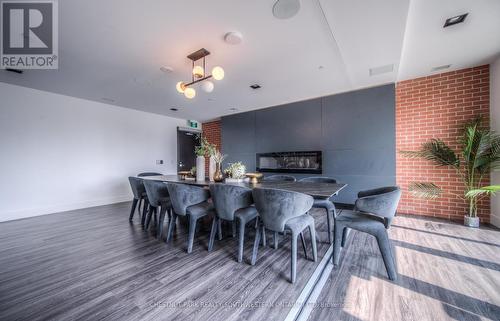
479,154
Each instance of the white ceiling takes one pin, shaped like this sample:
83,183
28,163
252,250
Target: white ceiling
114,49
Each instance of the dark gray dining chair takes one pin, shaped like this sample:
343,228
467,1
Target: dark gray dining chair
373,213
190,201
139,192
325,204
280,178
232,203
159,203
281,210
145,174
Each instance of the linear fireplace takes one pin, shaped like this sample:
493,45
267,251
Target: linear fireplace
290,162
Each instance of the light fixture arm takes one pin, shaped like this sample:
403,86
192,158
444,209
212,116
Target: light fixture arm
198,80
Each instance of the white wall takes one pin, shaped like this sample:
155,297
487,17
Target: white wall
495,125
60,153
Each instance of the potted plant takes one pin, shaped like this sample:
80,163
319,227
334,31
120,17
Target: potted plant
479,154
235,172
211,150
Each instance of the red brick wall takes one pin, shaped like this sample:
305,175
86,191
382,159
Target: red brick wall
211,131
436,107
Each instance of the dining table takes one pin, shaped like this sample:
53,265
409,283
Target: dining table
315,189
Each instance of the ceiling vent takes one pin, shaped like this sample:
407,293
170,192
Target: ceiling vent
381,70
255,86
440,67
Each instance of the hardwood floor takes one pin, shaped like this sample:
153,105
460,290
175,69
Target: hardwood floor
446,272
91,264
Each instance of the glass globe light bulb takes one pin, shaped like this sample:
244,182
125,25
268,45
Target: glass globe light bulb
207,86
190,93
218,73
198,71
180,87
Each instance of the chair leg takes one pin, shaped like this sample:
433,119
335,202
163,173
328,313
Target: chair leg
145,207
294,258
219,229
312,232
338,229
171,226
132,210
213,231
241,239
234,228
275,239
329,224
303,244
345,233
192,229
161,220
264,242
256,246
151,211
384,244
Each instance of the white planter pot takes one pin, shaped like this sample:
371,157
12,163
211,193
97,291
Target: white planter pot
211,169
471,221
200,168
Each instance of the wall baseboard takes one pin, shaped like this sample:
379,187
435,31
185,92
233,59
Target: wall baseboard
32,212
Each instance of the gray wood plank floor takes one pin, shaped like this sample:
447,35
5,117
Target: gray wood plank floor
446,272
91,264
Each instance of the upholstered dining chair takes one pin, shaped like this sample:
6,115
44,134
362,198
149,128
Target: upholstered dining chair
280,211
140,196
189,201
280,178
159,203
145,174
232,203
325,204
373,213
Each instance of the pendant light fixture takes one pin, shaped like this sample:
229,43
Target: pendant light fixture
199,75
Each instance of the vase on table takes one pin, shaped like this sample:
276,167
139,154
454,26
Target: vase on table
200,168
218,176
211,168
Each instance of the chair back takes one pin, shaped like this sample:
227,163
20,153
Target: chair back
381,202
184,195
229,198
319,180
280,178
157,192
276,206
137,186
149,174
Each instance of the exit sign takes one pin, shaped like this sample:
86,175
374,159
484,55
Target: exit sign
193,124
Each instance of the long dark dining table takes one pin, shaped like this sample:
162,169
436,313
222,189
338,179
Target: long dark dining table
316,190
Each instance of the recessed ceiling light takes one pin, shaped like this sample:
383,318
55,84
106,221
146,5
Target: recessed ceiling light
381,70
255,86
233,109
174,109
166,69
108,100
321,67
440,67
17,71
233,38
454,20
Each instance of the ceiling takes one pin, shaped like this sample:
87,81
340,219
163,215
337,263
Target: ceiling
112,51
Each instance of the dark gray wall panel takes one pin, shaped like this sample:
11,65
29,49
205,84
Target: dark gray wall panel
360,119
291,127
238,133
355,131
